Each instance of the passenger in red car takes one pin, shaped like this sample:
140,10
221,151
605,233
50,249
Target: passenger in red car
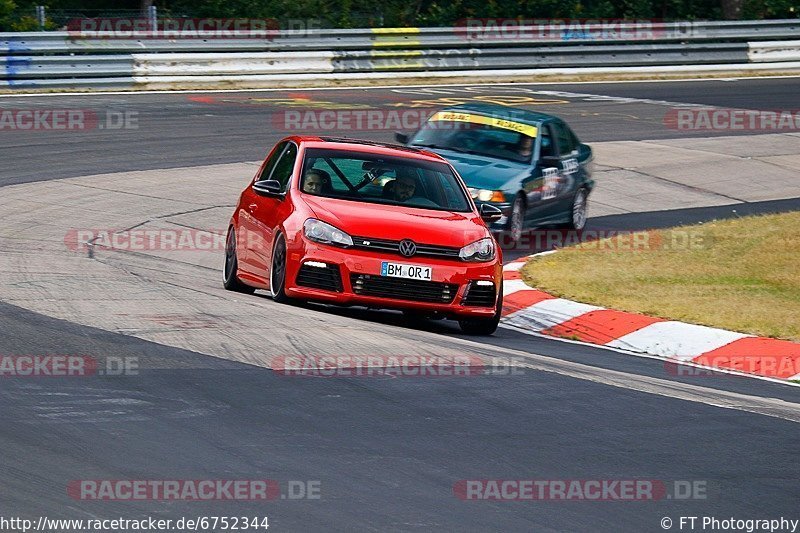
315,181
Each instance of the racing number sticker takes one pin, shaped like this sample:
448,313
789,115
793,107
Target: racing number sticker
570,165
551,181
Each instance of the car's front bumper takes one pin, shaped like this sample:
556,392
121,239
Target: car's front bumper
357,262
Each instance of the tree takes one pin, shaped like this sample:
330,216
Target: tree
732,9
6,8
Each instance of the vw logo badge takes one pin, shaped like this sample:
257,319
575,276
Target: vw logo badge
407,248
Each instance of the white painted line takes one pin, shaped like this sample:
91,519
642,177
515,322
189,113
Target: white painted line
549,313
676,339
623,351
515,285
520,262
515,266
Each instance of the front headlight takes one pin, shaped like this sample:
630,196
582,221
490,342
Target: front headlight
319,231
487,195
482,250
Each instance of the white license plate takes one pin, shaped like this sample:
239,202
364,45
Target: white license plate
400,270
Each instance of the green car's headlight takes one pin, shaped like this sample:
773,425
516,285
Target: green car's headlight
487,195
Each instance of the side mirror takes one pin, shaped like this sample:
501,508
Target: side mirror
268,188
490,213
402,138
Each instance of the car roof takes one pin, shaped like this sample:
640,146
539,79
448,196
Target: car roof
367,146
531,118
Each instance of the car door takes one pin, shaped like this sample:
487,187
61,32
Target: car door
248,232
267,212
572,171
542,186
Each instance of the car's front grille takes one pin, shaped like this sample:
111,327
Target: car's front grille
403,289
326,278
480,295
393,247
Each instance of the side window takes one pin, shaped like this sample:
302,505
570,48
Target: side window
273,158
336,183
283,168
548,145
564,138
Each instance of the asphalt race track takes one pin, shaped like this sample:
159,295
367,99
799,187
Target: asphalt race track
190,129
386,452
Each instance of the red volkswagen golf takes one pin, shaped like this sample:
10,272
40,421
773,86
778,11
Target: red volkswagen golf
359,223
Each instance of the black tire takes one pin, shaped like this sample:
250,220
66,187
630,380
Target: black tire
277,273
516,220
230,277
483,326
580,210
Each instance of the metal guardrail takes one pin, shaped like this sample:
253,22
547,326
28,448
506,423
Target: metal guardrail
392,38
62,59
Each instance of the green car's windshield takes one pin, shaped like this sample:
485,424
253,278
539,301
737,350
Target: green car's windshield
364,177
479,139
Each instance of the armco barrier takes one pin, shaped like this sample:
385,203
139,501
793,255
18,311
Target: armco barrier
770,51
209,64
63,60
542,57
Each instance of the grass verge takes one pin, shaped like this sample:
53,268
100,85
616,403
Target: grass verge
741,274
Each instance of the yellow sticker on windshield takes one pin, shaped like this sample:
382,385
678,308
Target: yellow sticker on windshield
452,116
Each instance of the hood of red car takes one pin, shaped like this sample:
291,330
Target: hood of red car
394,222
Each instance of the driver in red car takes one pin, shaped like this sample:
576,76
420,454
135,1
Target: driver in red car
404,187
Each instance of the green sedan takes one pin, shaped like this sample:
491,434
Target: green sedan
530,165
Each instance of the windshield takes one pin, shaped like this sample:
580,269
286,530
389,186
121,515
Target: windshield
476,134
376,179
